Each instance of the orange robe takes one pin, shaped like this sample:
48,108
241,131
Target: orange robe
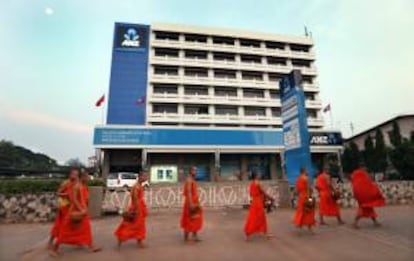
135,229
191,223
63,209
303,217
80,233
367,193
256,219
327,205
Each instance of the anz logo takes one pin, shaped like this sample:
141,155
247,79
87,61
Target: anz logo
131,38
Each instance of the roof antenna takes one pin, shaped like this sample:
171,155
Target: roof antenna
306,31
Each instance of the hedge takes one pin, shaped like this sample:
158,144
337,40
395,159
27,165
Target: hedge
21,186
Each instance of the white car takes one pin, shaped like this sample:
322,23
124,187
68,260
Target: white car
123,180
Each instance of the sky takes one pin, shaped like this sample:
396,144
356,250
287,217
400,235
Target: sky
55,58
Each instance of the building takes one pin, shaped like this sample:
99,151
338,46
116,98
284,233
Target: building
404,121
184,95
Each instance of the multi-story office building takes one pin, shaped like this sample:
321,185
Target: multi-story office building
183,95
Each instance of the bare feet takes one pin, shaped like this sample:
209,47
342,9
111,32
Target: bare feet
269,236
323,223
141,245
355,225
53,253
377,224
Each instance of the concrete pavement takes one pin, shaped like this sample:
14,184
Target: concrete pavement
223,239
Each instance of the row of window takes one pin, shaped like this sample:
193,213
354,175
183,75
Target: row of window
217,124
221,73
221,110
231,41
229,57
219,91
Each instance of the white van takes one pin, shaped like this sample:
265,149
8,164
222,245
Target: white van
121,180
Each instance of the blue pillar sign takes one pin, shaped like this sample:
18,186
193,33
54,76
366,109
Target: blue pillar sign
295,128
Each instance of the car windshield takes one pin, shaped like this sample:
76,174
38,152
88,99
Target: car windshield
112,176
129,176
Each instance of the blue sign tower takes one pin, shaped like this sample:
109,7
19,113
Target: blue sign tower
295,128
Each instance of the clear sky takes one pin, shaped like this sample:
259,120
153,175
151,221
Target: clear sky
55,58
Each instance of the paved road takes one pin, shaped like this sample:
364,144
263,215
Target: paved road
223,239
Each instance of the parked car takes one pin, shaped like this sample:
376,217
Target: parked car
123,180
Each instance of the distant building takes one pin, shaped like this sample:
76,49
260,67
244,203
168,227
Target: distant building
405,122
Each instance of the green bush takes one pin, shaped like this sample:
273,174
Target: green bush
21,186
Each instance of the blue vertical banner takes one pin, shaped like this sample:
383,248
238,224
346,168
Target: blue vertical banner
295,127
129,72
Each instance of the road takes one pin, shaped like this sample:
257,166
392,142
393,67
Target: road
223,239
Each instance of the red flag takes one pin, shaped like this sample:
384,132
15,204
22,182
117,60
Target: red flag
327,108
100,101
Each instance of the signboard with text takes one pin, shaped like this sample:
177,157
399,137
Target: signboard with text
295,128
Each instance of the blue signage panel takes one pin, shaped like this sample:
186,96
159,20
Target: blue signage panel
295,127
129,72
189,137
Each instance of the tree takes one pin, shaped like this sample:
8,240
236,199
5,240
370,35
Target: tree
351,157
380,158
75,162
369,154
395,135
402,153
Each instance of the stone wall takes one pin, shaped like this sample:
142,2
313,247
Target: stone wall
42,207
27,207
395,193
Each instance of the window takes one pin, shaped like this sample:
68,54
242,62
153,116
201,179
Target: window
196,71
275,45
274,95
254,111
251,59
250,75
198,38
253,93
169,52
223,40
195,90
300,47
249,43
225,91
164,108
309,97
276,112
195,54
166,88
160,35
196,109
311,114
307,79
166,70
224,73
223,110
301,63
275,77
276,61
222,56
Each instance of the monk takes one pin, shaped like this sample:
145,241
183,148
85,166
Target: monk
304,216
135,228
77,232
256,219
368,195
192,215
327,203
63,204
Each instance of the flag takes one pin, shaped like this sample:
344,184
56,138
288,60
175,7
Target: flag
327,108
142,100
100,101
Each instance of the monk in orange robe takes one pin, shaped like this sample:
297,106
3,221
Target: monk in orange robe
134,228
327,203
192,214
63,204
304,216
77,232
368,195
256,218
